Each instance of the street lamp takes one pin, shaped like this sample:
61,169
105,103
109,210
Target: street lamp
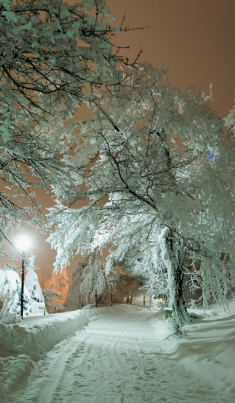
22,244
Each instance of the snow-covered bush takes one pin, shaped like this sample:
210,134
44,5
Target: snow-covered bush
10,292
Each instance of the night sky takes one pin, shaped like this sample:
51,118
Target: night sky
194,39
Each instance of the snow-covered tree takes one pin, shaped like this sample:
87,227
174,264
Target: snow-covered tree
52,301
127,285
143,263
32,282
54,51
52,55
94,279
59,283
75,299
156,174
10,294
10,291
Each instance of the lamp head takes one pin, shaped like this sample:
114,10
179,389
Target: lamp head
23,243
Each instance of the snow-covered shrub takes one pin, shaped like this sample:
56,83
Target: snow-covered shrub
32,282
10,294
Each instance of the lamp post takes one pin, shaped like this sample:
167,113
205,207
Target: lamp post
22,244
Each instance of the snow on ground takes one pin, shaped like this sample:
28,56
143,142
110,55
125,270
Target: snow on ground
119,354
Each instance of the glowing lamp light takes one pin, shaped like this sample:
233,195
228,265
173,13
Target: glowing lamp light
23,243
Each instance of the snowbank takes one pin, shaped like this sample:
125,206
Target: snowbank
207,347
26,342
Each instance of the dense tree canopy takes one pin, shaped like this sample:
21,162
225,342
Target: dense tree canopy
52,56
158,187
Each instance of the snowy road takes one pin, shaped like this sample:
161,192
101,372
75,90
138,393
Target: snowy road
115,359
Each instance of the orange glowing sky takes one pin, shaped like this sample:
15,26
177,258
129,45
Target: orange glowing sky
194,38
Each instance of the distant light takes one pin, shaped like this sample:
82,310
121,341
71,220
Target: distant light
23,243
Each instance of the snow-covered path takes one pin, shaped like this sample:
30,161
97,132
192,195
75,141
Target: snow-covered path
115,359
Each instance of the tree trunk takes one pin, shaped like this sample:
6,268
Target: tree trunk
96,300
111,299
174,251
176,254
177,302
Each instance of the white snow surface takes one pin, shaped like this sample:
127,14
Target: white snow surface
118,354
